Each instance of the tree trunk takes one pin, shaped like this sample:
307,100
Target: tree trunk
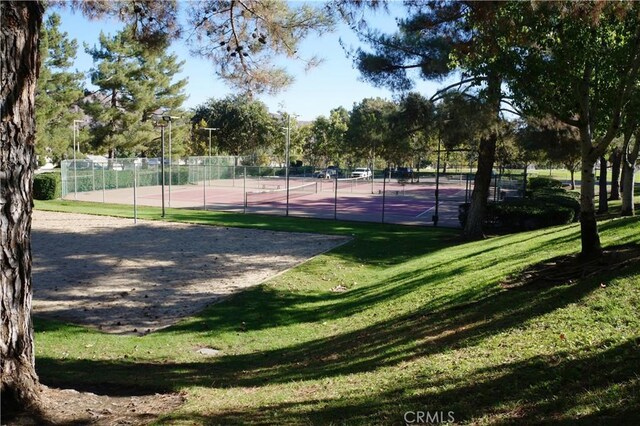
616,163
481,188
486,157
603,205
627,189
573,179
588,224
629,158
20,64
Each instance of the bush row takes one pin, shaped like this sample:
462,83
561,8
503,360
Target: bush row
112,179
547,204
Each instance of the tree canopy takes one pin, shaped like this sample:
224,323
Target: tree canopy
58,90
244,125
132,83
580,63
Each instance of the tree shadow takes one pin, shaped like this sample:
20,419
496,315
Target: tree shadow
269,306
446,322
431,329
538,390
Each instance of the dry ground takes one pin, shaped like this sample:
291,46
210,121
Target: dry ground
120,277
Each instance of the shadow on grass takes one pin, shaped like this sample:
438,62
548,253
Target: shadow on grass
547,390
266,307
540,386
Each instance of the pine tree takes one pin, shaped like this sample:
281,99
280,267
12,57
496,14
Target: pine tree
132,83
57,91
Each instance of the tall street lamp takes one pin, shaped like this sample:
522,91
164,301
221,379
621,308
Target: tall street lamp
76,130
161,121
435,216
210,129
170,118
286,161
208,162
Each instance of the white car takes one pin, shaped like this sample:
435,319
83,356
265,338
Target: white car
361,172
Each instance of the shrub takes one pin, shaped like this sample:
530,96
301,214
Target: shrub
561,198
528,214
522,214
541,182
46,186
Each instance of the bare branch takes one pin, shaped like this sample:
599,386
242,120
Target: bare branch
440,93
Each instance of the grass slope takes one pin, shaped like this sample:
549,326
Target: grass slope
422,326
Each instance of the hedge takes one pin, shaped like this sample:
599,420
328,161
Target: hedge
540,182
559,197
527,214
46,186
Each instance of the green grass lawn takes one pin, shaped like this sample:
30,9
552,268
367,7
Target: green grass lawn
423,326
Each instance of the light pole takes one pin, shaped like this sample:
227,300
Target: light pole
286,155
435,216
160,121
75,166
286,161
162,126
210,129
170,118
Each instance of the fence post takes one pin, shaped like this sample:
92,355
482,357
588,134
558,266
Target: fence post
384,190
135,196
335,199
103,182
244,189
204,191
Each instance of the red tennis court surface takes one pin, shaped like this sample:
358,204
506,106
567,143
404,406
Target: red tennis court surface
390,202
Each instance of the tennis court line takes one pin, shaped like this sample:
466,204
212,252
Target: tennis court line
427,210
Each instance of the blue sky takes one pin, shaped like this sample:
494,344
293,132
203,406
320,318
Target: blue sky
334,83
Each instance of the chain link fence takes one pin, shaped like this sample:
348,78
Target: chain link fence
222,183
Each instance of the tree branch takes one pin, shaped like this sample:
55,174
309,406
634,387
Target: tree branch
437,96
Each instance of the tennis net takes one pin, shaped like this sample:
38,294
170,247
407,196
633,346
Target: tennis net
252,198
351,183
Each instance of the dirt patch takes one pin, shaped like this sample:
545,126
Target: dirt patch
571,268
69,407
120,277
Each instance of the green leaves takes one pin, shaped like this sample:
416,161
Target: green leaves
244,124
57,90
133,81
244,38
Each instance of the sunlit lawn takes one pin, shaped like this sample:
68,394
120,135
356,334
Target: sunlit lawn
423,326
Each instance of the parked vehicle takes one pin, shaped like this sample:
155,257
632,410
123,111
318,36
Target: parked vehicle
329,173
361,172
402,173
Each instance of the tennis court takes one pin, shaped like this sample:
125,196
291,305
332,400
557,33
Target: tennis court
268,191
